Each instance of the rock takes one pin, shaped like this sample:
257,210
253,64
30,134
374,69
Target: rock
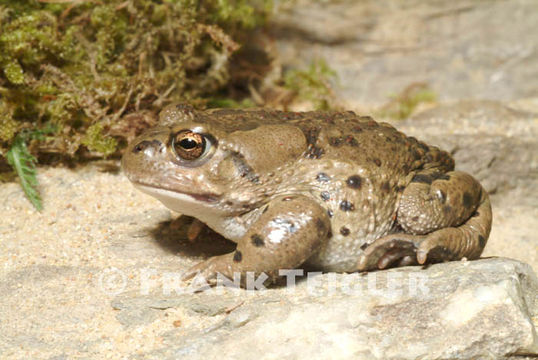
458,310
463,49
137,310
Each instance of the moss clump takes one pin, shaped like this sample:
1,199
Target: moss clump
96,141
76,64
84,68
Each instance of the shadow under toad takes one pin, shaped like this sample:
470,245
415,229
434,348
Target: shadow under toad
171,236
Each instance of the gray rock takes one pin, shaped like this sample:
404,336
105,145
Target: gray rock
460,310
137,310
463,49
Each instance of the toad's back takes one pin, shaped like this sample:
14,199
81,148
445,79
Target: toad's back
343,136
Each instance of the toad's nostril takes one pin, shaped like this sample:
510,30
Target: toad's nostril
143,145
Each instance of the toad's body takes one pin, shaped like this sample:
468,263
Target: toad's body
334,190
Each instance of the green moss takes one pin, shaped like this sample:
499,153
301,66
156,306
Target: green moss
84,66
95,140
8,126
313,84
241,12
77,64
13,72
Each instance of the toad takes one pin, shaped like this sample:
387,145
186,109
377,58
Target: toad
328,190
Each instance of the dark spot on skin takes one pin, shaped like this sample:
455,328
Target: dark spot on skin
322,177
439,176
422,178
335,141
351,141
481,241
141,146
364,246
447,209
312,135
346,206
354,182
320,225
423,146
414,218
441,196
344,231
330,234
329,120
325,195
385,187
476,213
244,169
330,213
238,256
257,240
400,188
265,210
372,123
467,199
416,154
184,108
314,152
377,162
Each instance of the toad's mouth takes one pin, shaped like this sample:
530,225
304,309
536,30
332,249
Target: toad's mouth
160,192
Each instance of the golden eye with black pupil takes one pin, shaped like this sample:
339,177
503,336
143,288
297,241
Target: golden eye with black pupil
189,145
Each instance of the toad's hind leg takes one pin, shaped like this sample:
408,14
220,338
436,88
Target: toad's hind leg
443,217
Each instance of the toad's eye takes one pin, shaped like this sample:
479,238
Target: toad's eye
189,145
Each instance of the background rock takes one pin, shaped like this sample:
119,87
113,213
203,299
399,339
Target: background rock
463,49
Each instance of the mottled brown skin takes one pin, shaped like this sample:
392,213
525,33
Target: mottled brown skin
331,190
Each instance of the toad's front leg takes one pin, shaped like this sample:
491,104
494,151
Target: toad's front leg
289,231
